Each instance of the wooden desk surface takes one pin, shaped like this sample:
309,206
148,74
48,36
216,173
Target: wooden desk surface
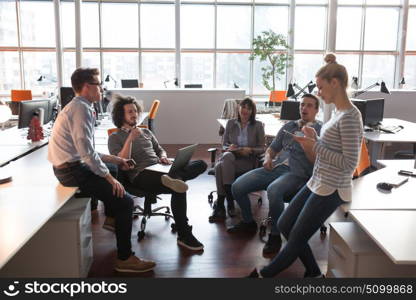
29,201
366,196
393,231
406,135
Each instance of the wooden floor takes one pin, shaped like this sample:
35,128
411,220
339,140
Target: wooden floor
224,255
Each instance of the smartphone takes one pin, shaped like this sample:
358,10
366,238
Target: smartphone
131,162
297,133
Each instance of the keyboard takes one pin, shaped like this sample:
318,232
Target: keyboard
390,128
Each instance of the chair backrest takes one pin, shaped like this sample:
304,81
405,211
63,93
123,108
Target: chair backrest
21,95
111,131
152,114
277,96
364,163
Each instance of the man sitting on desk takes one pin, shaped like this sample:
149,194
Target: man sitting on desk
76,163
131,142
284,176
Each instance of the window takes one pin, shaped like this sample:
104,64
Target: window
37,23
197,68
121,65
348,28
8,27
158,70
233,68
120,25
271,17
313,35
197,26
9,70
157,25
377,68
362,38
39,64
374,29
233,27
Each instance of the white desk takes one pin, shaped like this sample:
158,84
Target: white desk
392,231
366,196
378,138
14,144
402,164
28,202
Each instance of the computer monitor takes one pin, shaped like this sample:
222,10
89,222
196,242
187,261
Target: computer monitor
372,110
52,111
129,83
193,86
290,110
27,109
67,94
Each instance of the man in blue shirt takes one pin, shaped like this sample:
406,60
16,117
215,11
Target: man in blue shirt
76,163
281,177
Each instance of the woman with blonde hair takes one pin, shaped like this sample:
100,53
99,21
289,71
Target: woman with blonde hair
337,153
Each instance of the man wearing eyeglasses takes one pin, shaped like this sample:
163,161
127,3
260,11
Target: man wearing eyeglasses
280,177
76,163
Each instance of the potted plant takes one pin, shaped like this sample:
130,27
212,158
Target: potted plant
271,47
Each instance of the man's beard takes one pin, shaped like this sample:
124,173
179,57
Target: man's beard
132,123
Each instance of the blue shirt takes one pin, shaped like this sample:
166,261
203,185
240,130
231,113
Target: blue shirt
291,150
72,137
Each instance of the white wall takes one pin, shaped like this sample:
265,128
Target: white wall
401,104
186,116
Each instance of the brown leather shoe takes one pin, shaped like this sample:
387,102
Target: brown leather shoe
133,264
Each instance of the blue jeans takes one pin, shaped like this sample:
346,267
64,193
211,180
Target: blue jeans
304,216
279,182
94,185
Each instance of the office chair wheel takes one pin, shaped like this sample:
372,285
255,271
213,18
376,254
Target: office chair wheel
140,235
143,224
173,227
211,197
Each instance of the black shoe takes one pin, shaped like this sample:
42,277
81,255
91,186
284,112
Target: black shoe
231,210
218,214
243,227
187,240
273,244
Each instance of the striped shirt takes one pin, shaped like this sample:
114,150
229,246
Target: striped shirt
337,153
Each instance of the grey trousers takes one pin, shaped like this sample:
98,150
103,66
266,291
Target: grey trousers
228,167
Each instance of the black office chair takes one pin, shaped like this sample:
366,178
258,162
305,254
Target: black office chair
146,211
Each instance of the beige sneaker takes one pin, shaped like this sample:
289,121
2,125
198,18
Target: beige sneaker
133,264
176,185
110,224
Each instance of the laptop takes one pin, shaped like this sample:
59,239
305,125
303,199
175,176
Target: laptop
129,83
183,156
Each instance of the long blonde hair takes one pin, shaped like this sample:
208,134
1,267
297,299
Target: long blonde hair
332,69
